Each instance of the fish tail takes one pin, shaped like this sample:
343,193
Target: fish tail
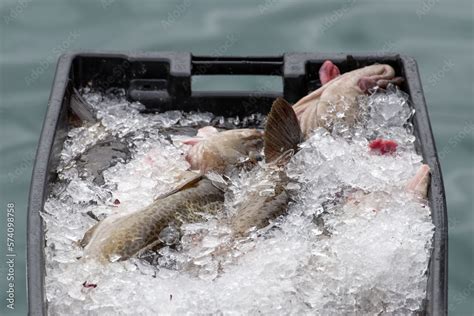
419,184
282,131
82,108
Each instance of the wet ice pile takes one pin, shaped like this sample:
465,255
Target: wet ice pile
352,242
371,238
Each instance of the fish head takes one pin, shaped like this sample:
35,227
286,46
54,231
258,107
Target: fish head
336,99
222,151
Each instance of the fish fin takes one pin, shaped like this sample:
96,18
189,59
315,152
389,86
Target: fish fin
81,107
217,181
189,183
153,246
420,183
88,236
282,131
192,141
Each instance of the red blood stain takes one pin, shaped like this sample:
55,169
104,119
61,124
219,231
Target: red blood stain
116,202
383,146
89,285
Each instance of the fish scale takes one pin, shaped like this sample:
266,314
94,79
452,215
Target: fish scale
140,230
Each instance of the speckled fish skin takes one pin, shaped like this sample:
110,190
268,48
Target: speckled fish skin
257,211
315,109
120,237
282,137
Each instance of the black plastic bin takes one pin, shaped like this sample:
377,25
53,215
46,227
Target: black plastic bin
162,81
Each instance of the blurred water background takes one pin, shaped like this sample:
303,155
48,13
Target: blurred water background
438,33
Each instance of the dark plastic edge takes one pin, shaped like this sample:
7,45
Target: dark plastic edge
437,198
38,191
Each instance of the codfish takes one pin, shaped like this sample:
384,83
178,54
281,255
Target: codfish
220,151
120,237
336,100
417,186
281,139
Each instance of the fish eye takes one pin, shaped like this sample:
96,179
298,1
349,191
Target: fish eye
255,156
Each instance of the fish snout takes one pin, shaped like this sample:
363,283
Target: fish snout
378,75
194,156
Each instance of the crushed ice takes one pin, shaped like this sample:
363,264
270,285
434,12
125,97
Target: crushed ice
353,241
